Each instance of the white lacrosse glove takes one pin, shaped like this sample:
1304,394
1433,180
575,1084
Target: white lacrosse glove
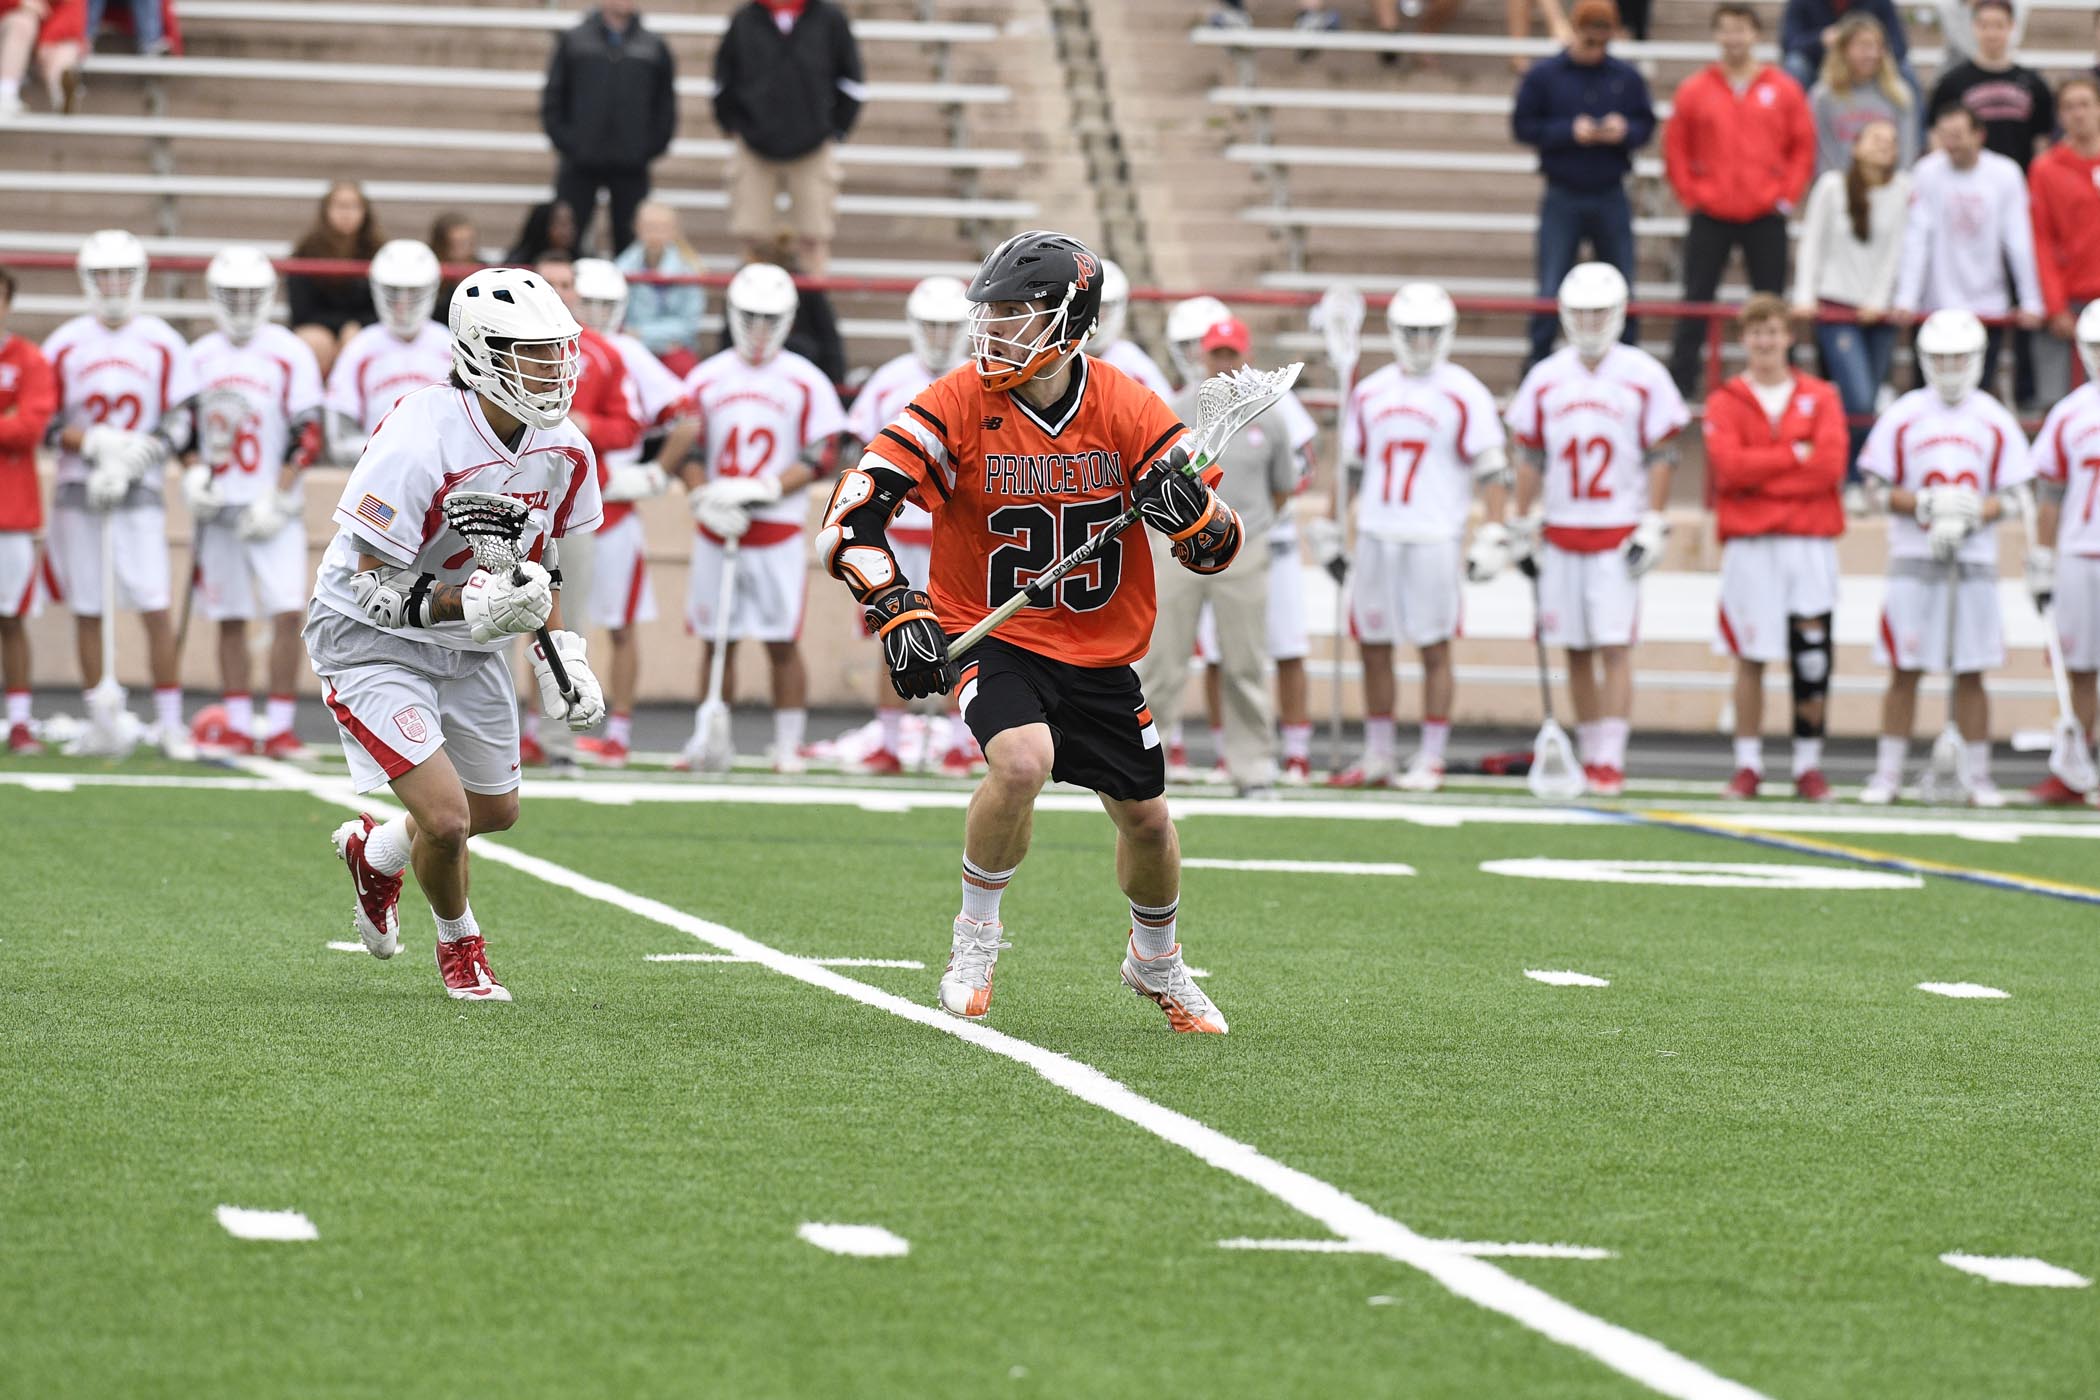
1644,547
744,492
1489,553
635,483
2041,576
494,607
201,490
721,520
589,705
1957,512
1325,537
1524,534
265,516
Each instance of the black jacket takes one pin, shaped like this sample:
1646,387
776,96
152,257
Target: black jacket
784,95
609,105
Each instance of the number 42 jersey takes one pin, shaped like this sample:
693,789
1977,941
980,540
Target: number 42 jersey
1013,489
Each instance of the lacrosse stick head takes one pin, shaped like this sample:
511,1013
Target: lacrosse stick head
221,416
1229,402
111,731
717,744
1339,318
1946,775
2071,758
493,527
1554,774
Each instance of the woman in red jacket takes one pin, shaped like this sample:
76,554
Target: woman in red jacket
1775,442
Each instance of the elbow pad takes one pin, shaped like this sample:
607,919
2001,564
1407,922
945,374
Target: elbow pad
854,544
1491,467
394,598
1214,543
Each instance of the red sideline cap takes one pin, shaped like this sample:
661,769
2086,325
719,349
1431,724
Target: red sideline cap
1228,334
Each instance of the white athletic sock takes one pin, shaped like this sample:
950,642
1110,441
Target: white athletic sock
167,709
17,707
452,930
1750,754
1889,752
10,87
277,718
620,730
240,715
787,731
1611,740
1435,734
1979,753
1217,744
386,849
1297,741
1152,929
892,722
1378,736
1589,742
1174,739
981,890
1808,755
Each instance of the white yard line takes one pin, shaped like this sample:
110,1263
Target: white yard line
1299,867
1478,1249
244,1224
908,963
859,1241
1962,989
1639,1358
1565,979
2019,1271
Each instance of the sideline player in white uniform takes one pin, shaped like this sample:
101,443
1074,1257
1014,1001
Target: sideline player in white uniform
620,594
1108,342
383,363
771,421
125,382
1417,436
1943,454
258,430
2066,567
410,638
933,314
1596,419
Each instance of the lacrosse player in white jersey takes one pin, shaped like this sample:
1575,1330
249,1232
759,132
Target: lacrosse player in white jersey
933,314
1596,421
409,636
125,386
771,423
1941,457
258,430
2065,567
382,363
1108,342
620,594
1417,437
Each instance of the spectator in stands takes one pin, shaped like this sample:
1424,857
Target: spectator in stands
1809,27
1968,221
2016,107
2064,187
328,311
610,107
1739,151
666,319
1957,28
548,228
54,32
1851,245
787,91
28,398
1587,113
1860,86
149,22
456,241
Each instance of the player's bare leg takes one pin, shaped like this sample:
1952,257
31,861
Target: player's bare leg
1899,716
1214,715
1148,867
1749,697
87,649
1381,699
1425,773
1294,718
995,838
167,684
14,680
2085,698
790,705
287,660
234,682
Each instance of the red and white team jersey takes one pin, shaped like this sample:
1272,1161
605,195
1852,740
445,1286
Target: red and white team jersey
881,399
1595,428
1130,357
2068,451
127,378
1417,439
255,392
654,394
1921,442
377,369
760,419
436,442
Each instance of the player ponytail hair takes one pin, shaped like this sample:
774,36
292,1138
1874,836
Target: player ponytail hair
322,240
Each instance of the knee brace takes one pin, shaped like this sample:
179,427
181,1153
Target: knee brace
1808,656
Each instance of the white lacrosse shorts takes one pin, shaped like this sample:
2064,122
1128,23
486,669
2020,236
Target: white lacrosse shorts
19,594
241,580
1289,639
771,581
141,537
2077,611
1913,631
1587,600
1765,580
1405,591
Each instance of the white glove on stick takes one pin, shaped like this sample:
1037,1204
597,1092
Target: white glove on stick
2041,575
201,490
743,492
723,521
1489,553
589,705
264,516
636,483
495,607
1956,512
1644,547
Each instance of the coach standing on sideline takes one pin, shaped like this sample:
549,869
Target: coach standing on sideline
610,107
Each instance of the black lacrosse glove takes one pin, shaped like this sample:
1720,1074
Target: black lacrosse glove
1171,497
913,645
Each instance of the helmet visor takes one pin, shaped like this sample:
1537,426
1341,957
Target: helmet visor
240,310
403,309
938,344
758,336
542,375
601,314
1419,348
114,293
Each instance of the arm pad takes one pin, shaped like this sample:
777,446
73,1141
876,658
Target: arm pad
394,598
1492,465
854,544
1214,543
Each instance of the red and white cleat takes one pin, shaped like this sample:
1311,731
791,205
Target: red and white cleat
2053,791
1297,772
1605,780
21,741
1165,981
1178,770
464,964
1743,786
973,955
286,748
880,764
1368,773
1424,774
1812,786
530,753
957,763
606,753
375,915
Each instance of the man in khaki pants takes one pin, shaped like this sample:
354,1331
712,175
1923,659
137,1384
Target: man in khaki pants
1260,474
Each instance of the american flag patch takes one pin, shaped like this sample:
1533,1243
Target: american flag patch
374,511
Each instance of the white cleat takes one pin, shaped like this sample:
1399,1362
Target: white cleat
1424,774
1166,982
175,744
966,985
789,762
375,913
1986,795
1878,792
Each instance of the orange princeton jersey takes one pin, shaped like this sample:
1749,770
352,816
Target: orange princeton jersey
1012,491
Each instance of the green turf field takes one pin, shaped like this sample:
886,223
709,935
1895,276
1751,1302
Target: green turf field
596,1191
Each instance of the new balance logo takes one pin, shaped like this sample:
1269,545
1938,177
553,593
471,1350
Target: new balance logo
991,423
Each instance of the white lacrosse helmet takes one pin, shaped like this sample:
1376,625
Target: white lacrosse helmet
601,294
762,301
1593,308
935,314
498,315
404,278
112,266
2088,338
1950,350
240,283
1421,321
1186,324
1115,304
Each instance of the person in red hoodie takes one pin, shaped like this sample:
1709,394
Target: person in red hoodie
28,398
2064,197
1739,150
1776,444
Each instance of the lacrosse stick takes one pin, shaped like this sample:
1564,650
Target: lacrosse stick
1225,404
2070,756
1946,776
717,744
1554,771
493,527
1339,318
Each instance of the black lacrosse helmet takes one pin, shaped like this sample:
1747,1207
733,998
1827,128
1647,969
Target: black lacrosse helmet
1052,271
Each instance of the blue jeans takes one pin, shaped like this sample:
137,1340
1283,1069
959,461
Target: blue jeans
145,22
1567,219
1857,359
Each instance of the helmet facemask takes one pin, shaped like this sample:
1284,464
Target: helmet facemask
1420,349
938,344
1592,330
240,311
404,309
1012,349
535,380
758,335
1953,376
114,293
601,315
